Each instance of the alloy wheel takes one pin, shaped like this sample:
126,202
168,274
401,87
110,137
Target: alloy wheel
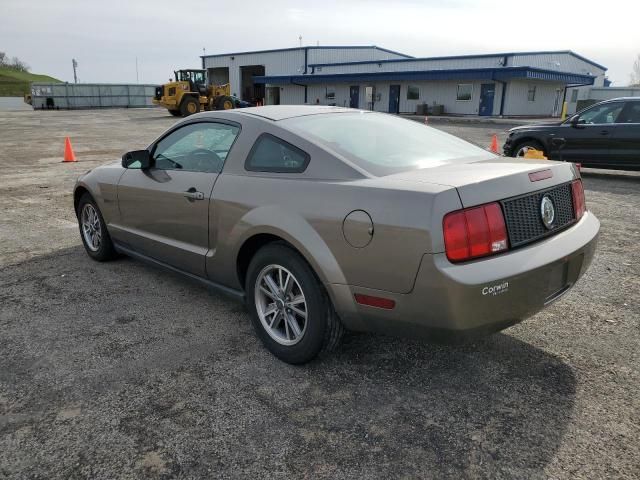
91,229
281,305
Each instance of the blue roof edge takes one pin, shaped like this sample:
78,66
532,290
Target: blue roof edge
465,73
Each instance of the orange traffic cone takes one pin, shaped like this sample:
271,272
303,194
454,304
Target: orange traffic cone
69,156
494,144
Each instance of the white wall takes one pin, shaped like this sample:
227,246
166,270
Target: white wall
517,103
563,62
440,93
291,95
338,55
289,62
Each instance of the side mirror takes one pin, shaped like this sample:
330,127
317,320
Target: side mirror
137,159
575,121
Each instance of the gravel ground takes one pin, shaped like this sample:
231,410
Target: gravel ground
120,370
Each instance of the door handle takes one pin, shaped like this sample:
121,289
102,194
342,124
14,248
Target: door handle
193,194
604,132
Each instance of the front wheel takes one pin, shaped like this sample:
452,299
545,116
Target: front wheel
189,106
93,230
522,148
290,311
224,103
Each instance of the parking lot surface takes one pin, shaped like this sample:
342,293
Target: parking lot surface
121,370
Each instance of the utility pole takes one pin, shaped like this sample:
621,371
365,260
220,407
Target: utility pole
75,65
137,70
300,39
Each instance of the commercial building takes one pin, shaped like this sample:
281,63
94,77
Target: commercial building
370,77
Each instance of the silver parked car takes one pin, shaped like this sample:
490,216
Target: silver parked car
324,219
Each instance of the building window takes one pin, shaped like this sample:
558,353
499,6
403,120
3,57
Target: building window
531,93
413,92
464,92
331,93
574,96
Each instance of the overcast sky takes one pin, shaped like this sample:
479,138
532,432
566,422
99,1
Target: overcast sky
106,36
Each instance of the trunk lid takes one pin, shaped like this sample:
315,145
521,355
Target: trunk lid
493,179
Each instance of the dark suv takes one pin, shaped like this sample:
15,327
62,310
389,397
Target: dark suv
604,135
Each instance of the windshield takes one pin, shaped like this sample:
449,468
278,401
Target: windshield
383,144
197,76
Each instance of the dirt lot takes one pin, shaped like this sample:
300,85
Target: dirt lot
120,370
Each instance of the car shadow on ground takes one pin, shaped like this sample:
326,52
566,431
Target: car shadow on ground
104,362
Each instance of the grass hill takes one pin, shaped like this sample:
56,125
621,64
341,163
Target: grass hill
15,84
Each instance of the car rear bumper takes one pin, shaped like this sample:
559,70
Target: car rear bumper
453,302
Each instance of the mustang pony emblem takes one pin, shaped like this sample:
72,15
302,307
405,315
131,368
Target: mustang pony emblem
547,211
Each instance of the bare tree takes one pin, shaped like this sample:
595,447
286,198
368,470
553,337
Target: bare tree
14,63
18,65
635,73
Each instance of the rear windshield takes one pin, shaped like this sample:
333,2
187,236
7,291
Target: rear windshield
383,144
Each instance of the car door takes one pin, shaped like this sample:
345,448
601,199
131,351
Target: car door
625,145
164,210
588,139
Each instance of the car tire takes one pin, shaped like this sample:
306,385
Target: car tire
224,102
318,330
519,149
189,106
175,113
93,230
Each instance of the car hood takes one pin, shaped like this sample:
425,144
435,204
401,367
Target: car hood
534,126
489,180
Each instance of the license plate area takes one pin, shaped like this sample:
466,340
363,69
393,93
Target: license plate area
557,282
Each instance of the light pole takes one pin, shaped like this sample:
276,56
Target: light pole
75,65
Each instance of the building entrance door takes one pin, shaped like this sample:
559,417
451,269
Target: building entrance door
273,95
354,96
487,93
394,99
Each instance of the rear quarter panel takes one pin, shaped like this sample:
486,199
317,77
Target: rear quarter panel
308,211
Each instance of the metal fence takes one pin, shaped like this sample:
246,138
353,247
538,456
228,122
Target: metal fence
71,96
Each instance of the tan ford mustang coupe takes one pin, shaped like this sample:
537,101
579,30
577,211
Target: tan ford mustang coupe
324,219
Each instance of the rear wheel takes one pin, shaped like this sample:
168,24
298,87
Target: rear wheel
224,103
521,148
175,113
93,230
189,106
290,310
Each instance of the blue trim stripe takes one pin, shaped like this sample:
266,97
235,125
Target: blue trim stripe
313,47
502,73
460,57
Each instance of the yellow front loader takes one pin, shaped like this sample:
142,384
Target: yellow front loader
190,94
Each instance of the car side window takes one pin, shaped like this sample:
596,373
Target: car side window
272,154
602,114
631,113
197,147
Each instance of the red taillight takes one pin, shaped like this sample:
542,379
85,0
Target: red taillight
579,205
474,232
